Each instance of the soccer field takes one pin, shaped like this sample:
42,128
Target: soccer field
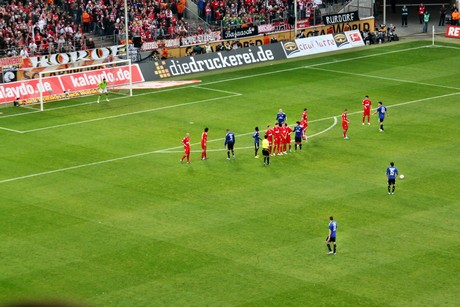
96,208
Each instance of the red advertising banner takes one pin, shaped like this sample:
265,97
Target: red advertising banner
453,31
55,87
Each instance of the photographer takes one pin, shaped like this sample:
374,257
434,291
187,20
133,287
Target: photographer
391,33
382,31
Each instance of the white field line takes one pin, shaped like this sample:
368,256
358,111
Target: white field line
383,78
28,108
314,65
128,114
448,47
10,130
77,167
216,90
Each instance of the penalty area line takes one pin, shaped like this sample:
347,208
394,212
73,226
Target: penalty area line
129,114
11,130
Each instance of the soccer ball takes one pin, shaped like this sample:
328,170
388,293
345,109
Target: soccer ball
401,176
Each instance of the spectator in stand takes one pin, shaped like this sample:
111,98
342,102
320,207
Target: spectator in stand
201,5
32,47
44,47
86,19
181,8
24,52
90,43
215,7
61,43
208,13
421,11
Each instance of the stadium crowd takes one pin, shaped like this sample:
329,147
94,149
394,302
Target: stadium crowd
30,27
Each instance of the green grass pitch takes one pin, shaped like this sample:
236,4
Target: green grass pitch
96,208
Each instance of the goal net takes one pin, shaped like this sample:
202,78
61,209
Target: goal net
82,81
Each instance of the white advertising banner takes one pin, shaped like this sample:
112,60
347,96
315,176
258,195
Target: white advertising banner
323,43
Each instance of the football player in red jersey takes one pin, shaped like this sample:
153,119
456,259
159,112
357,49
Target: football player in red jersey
305,115
345,123
367,105
269,133
283,138
204,143
277,139
186,142
304,125
288,138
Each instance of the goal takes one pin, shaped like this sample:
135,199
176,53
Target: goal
84,80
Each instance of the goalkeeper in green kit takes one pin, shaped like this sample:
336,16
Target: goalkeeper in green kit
102,86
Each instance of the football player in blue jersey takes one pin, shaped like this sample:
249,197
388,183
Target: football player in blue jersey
332,236
256,137
298,133
392,173
281,117
382,110
229,143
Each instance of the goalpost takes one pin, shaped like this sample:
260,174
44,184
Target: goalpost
84,80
